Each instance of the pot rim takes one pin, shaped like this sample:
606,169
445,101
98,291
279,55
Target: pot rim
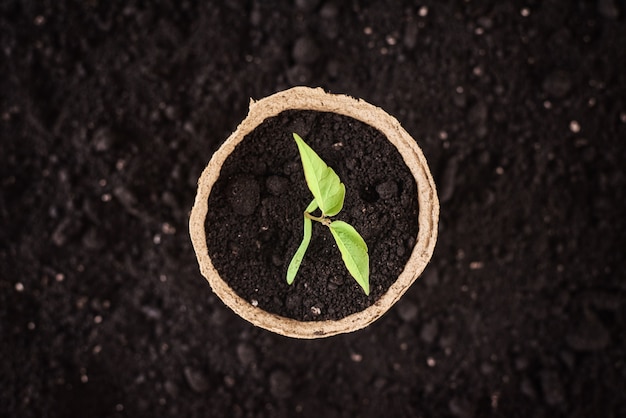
306,98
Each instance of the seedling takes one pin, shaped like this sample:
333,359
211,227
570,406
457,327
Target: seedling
329,193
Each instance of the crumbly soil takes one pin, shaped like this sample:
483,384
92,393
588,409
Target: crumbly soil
110,110
255,218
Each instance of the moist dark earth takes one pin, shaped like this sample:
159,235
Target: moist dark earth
111,109
255,220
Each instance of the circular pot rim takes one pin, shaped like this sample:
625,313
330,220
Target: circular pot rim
305,98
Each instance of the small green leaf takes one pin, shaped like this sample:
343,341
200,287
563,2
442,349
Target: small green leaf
324,183
353,252
294,265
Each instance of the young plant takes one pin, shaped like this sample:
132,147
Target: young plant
329,192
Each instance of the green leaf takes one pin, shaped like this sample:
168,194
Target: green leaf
294,265
324,183
353,252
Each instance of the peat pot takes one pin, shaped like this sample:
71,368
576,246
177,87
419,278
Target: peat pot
247,219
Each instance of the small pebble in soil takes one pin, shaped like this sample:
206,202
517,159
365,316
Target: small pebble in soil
307,5
277,185
494,400
356,357
608,9
329,11
552,387
299,74
461,408
277,259
557,84
448,179
280,384
92,240
246,354
151,312
234,248
293,301
305,51
400,250
590,334
431,276
407,310
486,22
380,383
429,331
167,228
527,388
229,381
521,363
447,342
336,280
387,190
486,368
170,388
476,265
477,117
102,139
243,195
602,300
410,34
125,197
196,380
460,98
64,229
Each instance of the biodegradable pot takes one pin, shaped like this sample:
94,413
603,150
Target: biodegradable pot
304,98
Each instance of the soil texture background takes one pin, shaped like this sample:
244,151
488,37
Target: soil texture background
109,111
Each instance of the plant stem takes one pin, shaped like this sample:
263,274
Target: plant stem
321,219
294,265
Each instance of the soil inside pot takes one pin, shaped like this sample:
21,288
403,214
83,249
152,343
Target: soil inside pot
255,219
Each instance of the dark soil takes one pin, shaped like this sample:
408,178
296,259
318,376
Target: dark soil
109,111
255,219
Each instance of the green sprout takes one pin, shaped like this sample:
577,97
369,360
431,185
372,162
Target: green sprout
329,192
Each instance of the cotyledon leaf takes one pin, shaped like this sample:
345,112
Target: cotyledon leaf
294,265
324,183
353,252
